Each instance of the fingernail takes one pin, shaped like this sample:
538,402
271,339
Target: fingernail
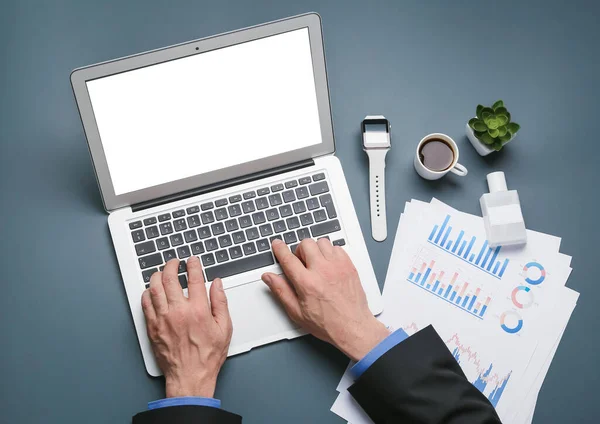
218,283
277,241
266,278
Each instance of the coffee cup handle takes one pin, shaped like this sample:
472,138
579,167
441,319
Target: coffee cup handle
459,170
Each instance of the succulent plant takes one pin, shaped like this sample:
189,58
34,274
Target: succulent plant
493,126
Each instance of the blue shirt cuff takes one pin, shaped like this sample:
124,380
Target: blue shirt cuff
188,400
377,352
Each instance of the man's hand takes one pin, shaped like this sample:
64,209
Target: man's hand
189,337
325,296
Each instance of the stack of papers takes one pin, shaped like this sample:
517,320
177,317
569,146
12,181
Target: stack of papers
501,311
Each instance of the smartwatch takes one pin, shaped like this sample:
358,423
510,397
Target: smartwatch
376,131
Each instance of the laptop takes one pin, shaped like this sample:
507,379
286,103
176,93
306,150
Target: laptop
213,148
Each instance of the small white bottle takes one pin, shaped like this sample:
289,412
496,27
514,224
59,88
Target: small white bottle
502,216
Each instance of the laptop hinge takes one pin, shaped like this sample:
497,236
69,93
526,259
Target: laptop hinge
223,184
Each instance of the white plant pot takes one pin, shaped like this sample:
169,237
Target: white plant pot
481,147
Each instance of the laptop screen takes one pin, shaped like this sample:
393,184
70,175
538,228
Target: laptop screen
206,112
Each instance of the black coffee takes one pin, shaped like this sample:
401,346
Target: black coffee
436,155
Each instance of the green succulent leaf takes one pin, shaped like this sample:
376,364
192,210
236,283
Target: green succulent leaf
497,146
486,138
486,115
477,125
502,119
494,132
487,110
502,130
492,123
498,104
513,127
505,138
479,109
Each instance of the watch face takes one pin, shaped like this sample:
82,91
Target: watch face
376,133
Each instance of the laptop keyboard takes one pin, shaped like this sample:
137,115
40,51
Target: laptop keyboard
233,234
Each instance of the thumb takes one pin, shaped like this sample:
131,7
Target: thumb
284,293
218,303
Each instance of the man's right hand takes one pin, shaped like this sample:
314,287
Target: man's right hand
326,297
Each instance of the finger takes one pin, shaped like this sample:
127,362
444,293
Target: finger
325,247
196,285
171,282
290,264
284,293
309,252
157,294
218,304
147,306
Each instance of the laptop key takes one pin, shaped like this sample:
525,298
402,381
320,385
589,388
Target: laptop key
220,202
291,184
183,281
265,230
276,187
176,240
290,237
221,214
293,222
327,203
272,214
179,224
252,233
261,203
193,221
145,248
339,242
234,210
232,224
207,217
303,233
217,228
285,210
206,206
152,232
263,244
162,243
192,210
318,188
299,207
275,199
249,195
182,267
248,206
169,254
277,237
249,248
325,228
293,247
235,252
238,237
164,217
320,215
263,191
279,226
134,225
301,192
318,177
190,236
204,232
179,213
222,256
312,203
150,260
197,248
245,221
208,259
306,219
259,218
305,180
211,244
146,275
236,198
288,196
150,221
183,252
225,241
137,236
239,266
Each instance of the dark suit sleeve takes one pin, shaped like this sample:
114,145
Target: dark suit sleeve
419,381
187,414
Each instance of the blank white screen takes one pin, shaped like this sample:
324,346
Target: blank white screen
206,112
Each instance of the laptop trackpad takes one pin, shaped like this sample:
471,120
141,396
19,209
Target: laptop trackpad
257,317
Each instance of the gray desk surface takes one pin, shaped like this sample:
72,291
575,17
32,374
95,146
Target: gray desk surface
68,348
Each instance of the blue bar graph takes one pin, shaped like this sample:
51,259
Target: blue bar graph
412,274
473,299
440,291
465,301
448,290
453,294
458,299
483,310
435,286
485,258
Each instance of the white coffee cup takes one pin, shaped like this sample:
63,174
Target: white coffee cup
455,167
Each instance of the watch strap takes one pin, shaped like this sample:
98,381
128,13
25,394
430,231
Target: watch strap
377,193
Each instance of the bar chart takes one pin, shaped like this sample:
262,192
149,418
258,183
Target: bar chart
450,288
486,258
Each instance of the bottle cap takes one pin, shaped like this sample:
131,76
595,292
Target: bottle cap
496,182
